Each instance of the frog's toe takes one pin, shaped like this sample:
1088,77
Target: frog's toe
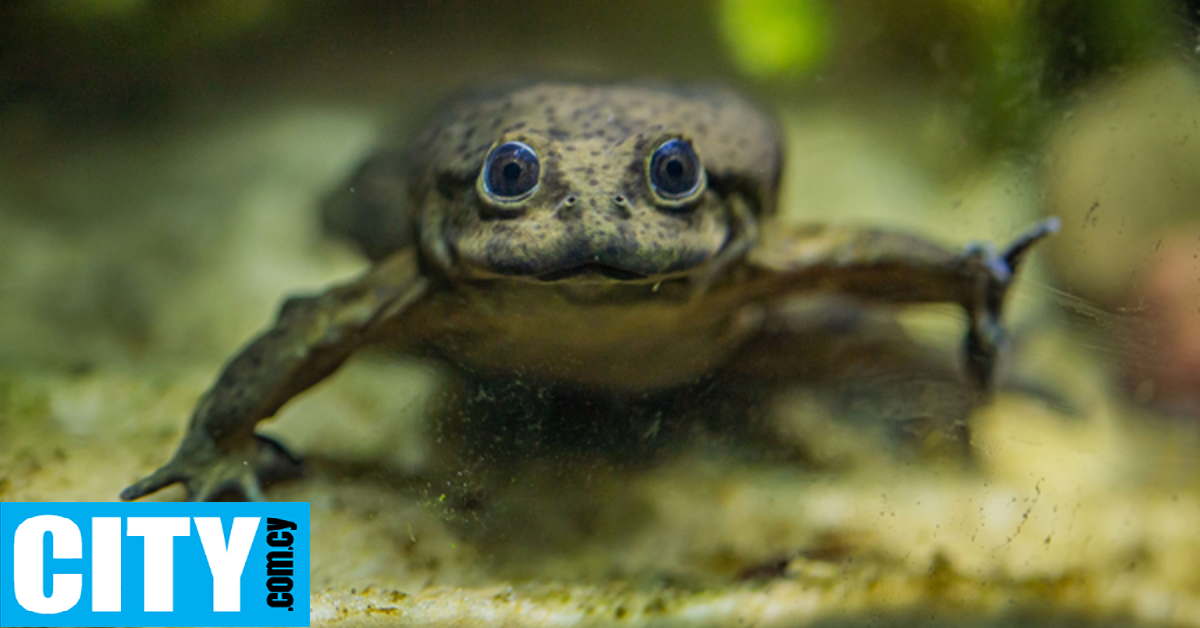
1015,253
167,475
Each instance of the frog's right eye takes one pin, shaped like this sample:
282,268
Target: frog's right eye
511,171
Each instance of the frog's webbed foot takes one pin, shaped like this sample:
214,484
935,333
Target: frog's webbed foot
210,472
221,455
986,332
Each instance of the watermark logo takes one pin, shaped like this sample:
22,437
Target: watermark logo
154,564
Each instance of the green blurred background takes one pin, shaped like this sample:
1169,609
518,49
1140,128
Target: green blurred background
99,63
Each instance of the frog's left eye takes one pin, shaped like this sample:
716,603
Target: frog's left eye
511,171
675,170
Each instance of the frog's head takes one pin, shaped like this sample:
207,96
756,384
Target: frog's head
570,183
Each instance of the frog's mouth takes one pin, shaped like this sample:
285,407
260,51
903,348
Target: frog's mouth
592,270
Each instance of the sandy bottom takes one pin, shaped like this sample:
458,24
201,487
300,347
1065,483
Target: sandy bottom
1086,521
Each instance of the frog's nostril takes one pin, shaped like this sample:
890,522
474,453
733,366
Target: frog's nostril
622,206
569,209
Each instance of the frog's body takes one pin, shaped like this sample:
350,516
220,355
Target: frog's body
611,238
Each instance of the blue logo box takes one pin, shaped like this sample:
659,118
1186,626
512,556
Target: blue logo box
154,564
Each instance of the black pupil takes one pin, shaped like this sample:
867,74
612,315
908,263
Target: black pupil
511,170
675,169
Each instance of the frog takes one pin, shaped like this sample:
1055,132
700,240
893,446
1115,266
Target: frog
619,238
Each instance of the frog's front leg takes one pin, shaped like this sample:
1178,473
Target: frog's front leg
310,339
899,268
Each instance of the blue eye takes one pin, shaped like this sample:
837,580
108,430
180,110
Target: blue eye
511,171
675,170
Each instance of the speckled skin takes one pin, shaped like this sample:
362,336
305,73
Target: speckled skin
594,203
593,280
